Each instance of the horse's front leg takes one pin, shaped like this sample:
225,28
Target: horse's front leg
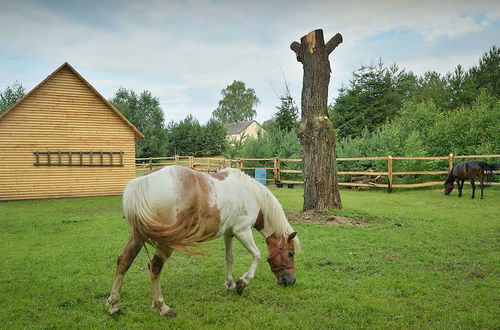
123,264
155,267
460,185
246,238
228,244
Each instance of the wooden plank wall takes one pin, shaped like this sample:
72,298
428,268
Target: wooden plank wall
63,114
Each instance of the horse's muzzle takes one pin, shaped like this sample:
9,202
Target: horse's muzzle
286,279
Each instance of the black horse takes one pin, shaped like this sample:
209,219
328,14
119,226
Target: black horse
468,170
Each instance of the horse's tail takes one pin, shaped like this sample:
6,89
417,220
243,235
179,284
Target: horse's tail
147,226
488,169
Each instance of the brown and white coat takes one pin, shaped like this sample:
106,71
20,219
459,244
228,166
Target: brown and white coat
177,208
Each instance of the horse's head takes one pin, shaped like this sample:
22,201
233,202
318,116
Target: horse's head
281,253
448,187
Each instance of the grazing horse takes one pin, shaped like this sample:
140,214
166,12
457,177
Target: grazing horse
176,208
467,170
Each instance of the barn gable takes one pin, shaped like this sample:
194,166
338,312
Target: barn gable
65,139
64,69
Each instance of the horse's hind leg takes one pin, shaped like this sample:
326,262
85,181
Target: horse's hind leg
155,267
123,264
473,184
481,184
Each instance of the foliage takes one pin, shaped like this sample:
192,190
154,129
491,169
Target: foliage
237,104
377,94
273,143
145,113
269,125
214,134
11,95
438,268
234,149
486,75
422,130
287,114
373,96
185,137
457,113
188,137
467,130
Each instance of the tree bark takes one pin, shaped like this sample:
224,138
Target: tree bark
315,131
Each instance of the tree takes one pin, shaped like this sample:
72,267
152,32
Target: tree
11,95
189,138
145,113
214,141
286,116
315,130
185,137
373,96
486,75
238,104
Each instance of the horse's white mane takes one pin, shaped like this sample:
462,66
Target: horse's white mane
274,216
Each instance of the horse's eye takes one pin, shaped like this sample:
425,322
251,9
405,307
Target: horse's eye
291,254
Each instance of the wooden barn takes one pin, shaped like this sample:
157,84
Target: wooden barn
64,139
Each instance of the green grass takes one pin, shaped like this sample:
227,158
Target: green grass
437,268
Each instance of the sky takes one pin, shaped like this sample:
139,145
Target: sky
186,52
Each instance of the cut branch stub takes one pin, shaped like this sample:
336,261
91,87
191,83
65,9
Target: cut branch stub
314,41
297,48
333,43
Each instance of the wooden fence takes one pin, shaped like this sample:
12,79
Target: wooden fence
276,165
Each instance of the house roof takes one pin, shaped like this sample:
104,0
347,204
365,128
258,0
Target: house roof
138,134
237,128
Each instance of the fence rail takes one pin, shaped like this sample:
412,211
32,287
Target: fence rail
208,164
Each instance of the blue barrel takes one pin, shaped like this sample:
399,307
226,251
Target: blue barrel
260,176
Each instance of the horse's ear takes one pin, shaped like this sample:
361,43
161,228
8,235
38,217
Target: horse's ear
291,236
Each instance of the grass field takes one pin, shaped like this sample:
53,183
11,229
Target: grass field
423,260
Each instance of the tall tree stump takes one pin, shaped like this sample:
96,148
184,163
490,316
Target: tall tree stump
315,131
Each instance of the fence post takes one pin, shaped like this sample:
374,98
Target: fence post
191,161
176,159
277,177
275,170
450,158
150,163
208,165
389,173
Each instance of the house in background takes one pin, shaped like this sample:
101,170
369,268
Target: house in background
64,139
242,130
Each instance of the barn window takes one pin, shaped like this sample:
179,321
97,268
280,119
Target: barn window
78,158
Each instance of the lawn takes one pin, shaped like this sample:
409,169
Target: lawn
422,260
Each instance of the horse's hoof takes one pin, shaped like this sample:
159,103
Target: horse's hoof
168,313
115,311
240,286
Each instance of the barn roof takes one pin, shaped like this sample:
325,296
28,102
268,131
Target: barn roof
138,134
237,128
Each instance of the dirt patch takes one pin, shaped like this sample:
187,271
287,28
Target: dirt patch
324,219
